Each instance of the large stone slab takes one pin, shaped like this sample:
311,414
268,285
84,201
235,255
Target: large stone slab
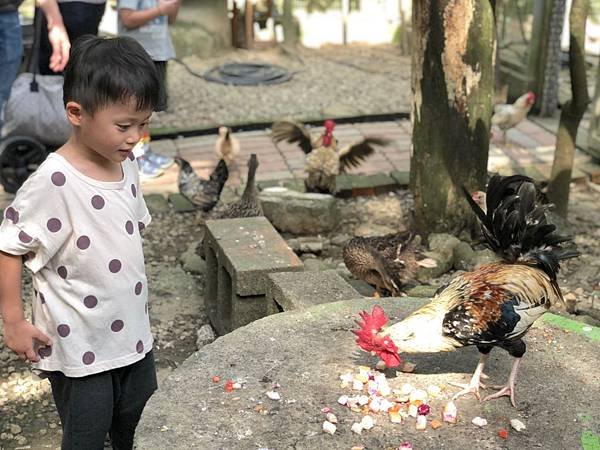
299,212
300,290
305,351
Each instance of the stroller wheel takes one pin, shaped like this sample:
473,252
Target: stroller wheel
20,156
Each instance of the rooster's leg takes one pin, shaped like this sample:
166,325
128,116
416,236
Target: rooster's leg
509,388
473,386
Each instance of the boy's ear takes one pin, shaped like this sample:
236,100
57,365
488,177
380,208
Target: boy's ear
74,113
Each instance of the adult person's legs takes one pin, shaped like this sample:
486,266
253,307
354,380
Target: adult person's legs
11,51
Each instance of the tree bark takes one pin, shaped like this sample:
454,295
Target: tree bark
452,83
572,110
290,29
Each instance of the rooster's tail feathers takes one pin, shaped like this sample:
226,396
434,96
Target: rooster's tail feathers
221,173
515,225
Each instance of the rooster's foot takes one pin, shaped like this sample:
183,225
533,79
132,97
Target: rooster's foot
507,390
468,388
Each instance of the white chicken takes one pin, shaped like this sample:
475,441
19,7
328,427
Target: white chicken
227,147
507,116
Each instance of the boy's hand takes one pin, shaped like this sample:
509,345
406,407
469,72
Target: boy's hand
167,7
19,337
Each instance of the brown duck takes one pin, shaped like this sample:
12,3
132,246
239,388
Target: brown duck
248,205
387,262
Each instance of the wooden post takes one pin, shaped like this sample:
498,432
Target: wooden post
345,12
249,23
594,132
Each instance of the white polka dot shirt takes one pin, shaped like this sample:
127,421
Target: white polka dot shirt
81,239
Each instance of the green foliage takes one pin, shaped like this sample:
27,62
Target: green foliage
594,13
325,5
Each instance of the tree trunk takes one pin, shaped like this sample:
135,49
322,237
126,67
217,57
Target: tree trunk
452,82
290,29
572,110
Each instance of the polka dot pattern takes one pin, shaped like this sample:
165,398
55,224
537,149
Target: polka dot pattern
24,237
138,288
42,298
13,215
83,242
58,178
131,156
88,358
54,225
117,325
114,265
62,272
63,330
141,226
133,191
97,202
129,227
44,352
139,347
90,301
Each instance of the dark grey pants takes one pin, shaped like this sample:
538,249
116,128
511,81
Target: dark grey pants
108,402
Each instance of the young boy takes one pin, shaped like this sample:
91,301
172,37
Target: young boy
76,225
147,21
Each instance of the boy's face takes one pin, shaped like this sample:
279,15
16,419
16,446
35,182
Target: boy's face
113,131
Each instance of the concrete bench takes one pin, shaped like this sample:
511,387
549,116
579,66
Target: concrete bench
239,254
300,290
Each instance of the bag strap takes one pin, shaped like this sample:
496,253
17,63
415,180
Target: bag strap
34,60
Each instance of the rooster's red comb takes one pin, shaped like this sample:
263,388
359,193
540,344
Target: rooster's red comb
370,325
329,125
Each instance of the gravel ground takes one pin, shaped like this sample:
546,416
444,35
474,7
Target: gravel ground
333,81
28,417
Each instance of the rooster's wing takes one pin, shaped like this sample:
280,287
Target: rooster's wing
353,154
486,310
292,132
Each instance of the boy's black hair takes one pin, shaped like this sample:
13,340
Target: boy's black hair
104,70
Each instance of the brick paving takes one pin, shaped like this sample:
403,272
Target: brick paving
530,150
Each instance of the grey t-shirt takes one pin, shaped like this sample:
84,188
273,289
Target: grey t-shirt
153,35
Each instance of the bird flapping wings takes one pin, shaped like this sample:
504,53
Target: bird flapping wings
292,132
353,154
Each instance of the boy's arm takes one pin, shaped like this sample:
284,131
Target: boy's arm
134,18
57,35
19,334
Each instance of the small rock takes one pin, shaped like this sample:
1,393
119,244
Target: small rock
329,428
357,428
479,422
14,428
517,425
205,335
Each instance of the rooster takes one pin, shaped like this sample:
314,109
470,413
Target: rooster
227,147
324,161
249,205
204,194
493,306
507,116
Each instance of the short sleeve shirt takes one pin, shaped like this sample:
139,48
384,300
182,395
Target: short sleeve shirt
81,239
153,35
